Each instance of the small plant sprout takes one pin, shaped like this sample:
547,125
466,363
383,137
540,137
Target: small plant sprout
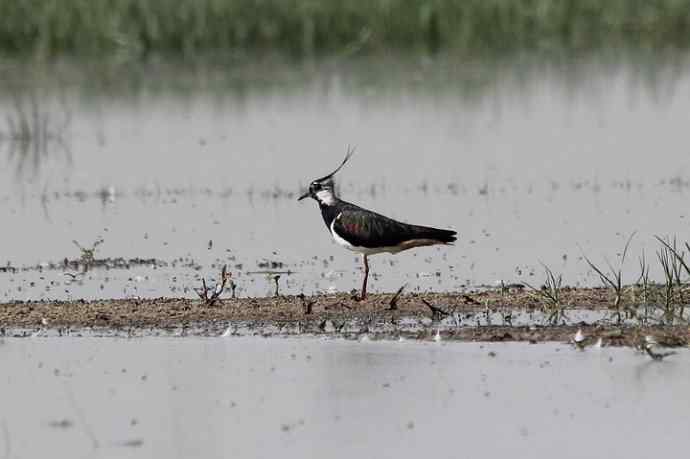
210,297
643,282
233,287
307,305
668,266
614,278
550,293
504,289
88,255
507,317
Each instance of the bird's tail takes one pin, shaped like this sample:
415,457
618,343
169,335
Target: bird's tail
443,236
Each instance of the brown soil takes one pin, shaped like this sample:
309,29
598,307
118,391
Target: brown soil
340,315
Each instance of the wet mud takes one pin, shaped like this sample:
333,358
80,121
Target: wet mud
492,315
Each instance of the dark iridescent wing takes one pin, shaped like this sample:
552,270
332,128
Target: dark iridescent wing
363,228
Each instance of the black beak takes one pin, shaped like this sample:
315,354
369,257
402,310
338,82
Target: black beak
348,155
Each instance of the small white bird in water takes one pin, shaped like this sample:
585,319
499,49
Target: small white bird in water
437,337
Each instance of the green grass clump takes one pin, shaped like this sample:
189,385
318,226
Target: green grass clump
306,26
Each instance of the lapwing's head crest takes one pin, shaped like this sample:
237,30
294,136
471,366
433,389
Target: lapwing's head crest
322,189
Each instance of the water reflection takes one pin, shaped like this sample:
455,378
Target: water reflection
40,99
469,77
34,133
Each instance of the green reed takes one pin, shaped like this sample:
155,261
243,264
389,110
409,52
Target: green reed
305,26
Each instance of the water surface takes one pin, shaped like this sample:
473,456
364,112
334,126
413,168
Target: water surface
531,158
254,397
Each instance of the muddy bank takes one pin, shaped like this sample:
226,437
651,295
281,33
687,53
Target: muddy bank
513,314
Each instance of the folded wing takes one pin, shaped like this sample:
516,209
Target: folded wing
363,228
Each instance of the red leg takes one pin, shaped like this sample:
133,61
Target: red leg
366,276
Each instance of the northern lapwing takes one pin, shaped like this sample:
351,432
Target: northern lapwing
367,232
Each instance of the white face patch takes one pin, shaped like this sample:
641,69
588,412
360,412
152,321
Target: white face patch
326,197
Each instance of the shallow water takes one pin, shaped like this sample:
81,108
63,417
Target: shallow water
531,158
253,397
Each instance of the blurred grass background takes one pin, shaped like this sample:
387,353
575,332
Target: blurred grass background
49,27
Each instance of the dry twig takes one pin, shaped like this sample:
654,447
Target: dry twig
210,297
393,303
436,312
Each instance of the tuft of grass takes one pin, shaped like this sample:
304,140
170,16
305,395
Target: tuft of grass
308,26
644,283
673,263
550,293
614,277
668,265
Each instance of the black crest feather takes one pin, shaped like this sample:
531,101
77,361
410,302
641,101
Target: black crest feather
348,155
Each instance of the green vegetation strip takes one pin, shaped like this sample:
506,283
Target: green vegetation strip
305,26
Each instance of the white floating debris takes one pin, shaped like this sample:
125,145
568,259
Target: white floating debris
579,339
579,336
